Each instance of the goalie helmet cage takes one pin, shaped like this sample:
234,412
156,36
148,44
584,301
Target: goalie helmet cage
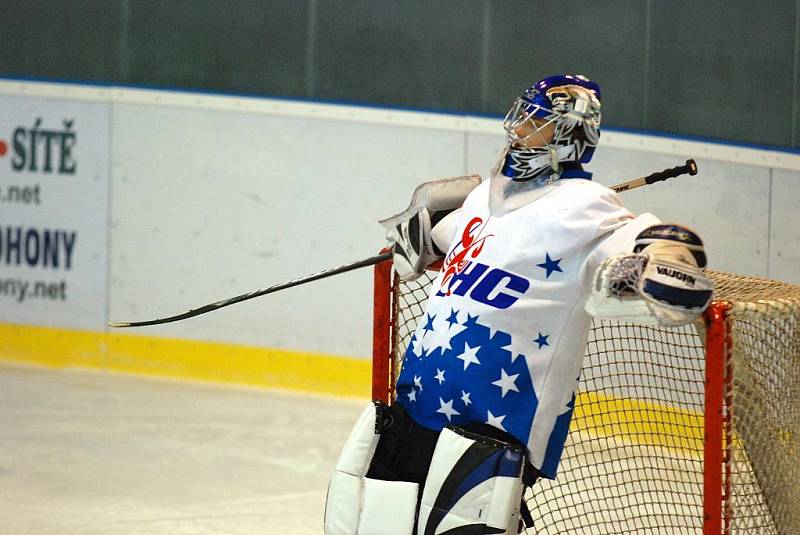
688,429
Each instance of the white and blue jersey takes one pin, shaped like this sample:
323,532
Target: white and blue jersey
504,332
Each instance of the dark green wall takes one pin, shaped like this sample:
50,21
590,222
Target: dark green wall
723,69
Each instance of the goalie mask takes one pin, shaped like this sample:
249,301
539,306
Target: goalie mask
550,130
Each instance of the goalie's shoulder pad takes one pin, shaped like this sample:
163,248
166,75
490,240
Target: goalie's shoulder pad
672,234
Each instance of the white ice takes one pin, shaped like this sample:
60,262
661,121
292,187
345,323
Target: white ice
85,452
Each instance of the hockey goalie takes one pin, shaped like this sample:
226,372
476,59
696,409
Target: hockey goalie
487,388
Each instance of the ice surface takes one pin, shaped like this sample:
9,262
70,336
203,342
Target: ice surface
91,452
86,452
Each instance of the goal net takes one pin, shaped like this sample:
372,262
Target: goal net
675,430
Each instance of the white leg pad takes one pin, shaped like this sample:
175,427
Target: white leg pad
472,481
389,507
359,449
343,504
357,505
345,492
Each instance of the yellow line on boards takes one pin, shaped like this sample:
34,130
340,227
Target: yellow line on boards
186,359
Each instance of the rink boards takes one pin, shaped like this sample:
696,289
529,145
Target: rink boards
141,203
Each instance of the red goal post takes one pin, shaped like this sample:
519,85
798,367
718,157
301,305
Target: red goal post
694,429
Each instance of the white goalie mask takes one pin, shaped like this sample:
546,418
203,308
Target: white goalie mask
553,125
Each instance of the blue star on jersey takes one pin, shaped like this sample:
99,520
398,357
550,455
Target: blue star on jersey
453,319
550,265
542,340
458,370
429,324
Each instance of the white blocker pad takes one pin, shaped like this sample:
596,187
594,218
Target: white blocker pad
435,195
409,232
472,481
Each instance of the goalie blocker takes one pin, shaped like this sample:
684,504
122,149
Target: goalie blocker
473,483
421,233
661,282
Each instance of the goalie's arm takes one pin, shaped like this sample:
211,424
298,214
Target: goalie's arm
661,281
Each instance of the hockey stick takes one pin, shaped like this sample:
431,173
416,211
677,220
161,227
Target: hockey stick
371,261
689,167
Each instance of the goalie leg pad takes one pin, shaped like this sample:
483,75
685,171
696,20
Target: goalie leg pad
389,507
343,504
357,452
364,506
358,505
473,481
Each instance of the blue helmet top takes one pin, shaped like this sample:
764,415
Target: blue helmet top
538,96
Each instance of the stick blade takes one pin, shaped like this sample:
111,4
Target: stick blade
159,321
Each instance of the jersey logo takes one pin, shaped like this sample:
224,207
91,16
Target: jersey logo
469,247
495,287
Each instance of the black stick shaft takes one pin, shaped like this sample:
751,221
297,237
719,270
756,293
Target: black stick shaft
258,293
689,167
